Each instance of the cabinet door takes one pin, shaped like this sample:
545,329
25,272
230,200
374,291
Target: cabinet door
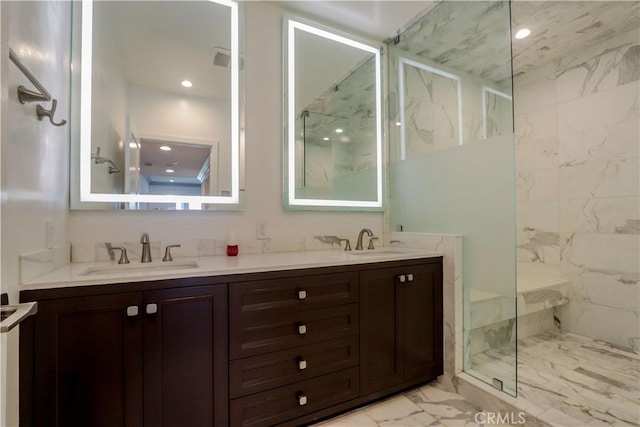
400,326
88,362
185,357
421,312
380,350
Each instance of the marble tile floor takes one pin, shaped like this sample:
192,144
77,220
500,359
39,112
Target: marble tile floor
567,380
429,405
585,382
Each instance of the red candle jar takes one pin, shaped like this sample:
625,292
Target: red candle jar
232,243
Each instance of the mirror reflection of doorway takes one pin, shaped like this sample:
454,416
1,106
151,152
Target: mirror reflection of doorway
162,166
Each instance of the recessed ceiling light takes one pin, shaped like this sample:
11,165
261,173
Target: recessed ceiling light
522,33
398,124
165,148
186,83
326,138
169,171
339,131
171,180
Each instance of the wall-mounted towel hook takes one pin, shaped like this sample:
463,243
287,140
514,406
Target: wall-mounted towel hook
41,95
42,112
26,95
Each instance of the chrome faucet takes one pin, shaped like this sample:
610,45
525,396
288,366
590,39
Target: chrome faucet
123,253
359,244
146,248
167,252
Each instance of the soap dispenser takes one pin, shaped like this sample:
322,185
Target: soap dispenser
232,243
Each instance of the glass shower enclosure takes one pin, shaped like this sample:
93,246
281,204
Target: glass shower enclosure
451,166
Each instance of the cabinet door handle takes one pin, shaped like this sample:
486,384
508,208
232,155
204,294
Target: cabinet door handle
402,278
410,277
302,364
302,399
302,295
151,308
302,328
132,311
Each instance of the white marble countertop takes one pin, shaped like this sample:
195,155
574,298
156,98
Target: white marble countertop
75,274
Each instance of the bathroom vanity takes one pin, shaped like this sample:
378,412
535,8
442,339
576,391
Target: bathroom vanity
250,345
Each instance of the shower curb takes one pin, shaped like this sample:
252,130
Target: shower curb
520,410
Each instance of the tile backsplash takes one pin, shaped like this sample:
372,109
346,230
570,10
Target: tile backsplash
38,263
97,251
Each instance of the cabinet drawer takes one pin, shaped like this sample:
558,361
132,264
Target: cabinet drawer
274,331
285,403
264,372
293,294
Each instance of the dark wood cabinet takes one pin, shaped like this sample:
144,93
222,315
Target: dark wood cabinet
185,357
276,348
87,368
401,326
285,403
293,346
299,293
275,369
131,359
273,331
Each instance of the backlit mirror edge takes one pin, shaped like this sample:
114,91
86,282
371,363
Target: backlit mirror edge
290,202
81,197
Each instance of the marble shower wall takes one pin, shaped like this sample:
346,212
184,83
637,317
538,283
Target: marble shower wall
349,105
439,102
577,125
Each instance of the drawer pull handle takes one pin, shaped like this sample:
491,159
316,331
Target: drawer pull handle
402,278
132,311
302,364
302,295
302,328
151,308
410,277
302,399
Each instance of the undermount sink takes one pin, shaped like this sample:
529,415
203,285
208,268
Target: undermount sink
376,252
140,268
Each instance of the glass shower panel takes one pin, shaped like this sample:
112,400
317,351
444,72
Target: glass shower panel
452,164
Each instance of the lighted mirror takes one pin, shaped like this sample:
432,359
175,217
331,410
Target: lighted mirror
157,90
333,110
497,112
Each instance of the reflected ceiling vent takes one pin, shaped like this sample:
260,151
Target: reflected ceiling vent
222,58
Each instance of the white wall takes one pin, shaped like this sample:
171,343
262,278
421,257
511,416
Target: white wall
264,141
34,155
578,130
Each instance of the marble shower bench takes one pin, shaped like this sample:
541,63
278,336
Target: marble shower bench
540,289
